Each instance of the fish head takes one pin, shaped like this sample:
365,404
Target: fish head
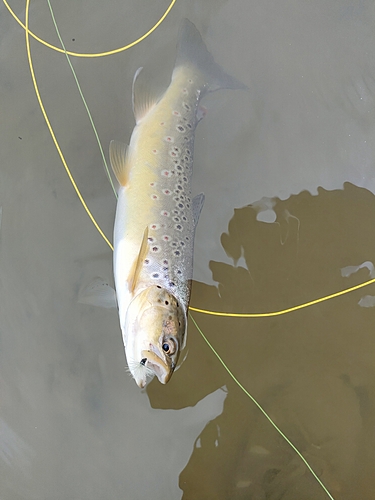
154,334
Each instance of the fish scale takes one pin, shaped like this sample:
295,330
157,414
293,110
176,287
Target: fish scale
171,226
156,215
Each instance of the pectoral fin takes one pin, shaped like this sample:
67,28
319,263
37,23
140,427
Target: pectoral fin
138,262
118,155
98,293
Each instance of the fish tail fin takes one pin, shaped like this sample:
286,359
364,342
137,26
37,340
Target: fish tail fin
192,51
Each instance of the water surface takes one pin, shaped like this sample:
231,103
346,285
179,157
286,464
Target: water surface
288,173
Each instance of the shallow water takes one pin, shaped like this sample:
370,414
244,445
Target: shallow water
288,173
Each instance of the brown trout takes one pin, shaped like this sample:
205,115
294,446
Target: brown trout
156,215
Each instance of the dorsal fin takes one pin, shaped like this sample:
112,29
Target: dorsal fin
138,262
118,155
143,99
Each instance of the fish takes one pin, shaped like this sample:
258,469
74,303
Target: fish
156,215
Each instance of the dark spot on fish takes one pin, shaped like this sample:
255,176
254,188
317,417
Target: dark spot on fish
143,361
155,275
20,138
170,318
172,284
158,286
73,39
166,303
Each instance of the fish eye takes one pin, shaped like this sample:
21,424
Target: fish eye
169,346
166,347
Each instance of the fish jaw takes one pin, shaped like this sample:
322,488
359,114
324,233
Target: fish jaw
154,333
155,362
146,360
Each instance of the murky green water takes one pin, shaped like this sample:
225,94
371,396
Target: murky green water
296,153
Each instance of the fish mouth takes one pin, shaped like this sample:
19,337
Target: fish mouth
155,363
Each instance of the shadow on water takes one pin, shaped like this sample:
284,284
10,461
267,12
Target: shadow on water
311,370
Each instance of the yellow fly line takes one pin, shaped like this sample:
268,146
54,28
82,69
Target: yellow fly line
51,130
195,309
99,54
251,315
284,311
